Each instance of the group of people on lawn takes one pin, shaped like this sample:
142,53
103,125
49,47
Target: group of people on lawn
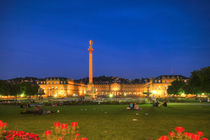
34,109
157,104
134,106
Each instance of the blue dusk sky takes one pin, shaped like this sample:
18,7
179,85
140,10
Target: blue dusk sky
131,38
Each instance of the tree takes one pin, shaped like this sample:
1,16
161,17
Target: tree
29,89
14,89
177,87
4,88
8,88
200,81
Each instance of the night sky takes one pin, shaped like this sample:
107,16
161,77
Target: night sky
131,39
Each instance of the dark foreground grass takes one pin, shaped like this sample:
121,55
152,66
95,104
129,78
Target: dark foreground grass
113,122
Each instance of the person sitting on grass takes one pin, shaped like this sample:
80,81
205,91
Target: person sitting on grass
165,104
156,104
42,111
136,107
130,107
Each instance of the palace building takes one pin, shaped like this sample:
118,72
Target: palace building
63,87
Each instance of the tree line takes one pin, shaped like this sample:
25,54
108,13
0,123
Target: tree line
199,83
18,89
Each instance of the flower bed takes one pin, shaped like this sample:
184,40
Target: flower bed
63,131
181,135
59,132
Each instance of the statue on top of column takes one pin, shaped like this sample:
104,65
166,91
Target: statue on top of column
91,42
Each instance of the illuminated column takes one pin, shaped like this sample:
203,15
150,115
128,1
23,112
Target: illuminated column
90,49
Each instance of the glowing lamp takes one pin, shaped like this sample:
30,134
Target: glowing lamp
22,95
154,92
110,95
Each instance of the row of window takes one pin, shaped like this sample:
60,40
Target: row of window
61,82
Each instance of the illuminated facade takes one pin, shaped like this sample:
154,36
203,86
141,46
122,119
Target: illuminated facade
63,87
157,86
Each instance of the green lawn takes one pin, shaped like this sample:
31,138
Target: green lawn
113,122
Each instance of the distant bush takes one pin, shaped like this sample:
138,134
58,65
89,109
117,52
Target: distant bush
183,100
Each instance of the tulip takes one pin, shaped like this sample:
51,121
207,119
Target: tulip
57,124
4,125
73,124
204,139
48,133
60,138
186,134
200,133
84,139
192,136
64,126
179,129
172,134
196,137
163,138
77,134
189,134
1,123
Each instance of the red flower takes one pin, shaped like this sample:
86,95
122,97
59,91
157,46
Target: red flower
48,133
57,124
192,136
1,123
172,134
84,139
60,138
77,134
186,134
196,137
64,126
4,124
163,138
200,133
204,139
74,124
179,129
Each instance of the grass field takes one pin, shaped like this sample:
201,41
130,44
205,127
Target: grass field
113,122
